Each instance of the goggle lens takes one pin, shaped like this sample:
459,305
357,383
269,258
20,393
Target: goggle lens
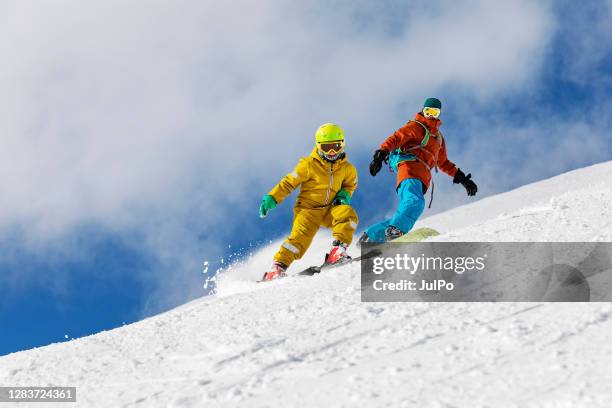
331,147
431,112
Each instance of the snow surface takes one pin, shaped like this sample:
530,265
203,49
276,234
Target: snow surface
311,342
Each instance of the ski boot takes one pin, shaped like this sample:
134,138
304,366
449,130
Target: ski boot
277,272
337,254
392,233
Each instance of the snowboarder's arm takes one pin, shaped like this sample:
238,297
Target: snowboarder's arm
444,164
466,181
290,182
402,137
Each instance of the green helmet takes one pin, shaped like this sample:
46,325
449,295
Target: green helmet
329,132
330,141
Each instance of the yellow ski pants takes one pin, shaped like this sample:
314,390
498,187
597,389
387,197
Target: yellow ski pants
342,219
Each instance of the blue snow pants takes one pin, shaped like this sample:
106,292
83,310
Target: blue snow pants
410,208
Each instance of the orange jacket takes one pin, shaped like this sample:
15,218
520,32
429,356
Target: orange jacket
433,153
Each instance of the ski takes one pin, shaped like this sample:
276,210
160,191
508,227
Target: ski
416,235
313,270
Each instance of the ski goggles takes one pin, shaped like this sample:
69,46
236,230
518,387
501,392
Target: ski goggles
431,112
332,147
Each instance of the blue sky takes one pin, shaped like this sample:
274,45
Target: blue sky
137,139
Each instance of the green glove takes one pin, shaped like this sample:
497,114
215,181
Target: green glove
267,203
343,197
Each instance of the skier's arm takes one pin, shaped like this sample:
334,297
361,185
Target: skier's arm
444,164
349,184
290,182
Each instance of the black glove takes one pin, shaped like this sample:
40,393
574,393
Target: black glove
376,164
466,181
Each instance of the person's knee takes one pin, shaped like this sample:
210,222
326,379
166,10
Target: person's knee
409,210
301,239
344,213
305,226
420,204
344,219
412,208
295,247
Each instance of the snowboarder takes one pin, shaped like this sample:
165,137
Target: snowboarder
327,182
413,151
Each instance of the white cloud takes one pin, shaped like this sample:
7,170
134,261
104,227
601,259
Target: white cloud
586,48
143,115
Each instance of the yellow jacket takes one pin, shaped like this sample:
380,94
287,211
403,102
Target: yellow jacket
319,179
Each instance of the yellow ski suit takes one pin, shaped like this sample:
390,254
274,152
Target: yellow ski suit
319,182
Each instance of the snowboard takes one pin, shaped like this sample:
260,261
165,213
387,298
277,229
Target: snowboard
417,235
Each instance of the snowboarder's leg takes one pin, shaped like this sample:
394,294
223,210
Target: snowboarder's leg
306,223
376,232
411,205
410,208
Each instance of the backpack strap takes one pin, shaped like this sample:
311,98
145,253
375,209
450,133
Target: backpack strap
427,133
422,145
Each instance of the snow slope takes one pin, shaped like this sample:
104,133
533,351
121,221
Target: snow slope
311,342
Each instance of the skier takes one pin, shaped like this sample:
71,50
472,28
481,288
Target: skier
413,151
327,181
